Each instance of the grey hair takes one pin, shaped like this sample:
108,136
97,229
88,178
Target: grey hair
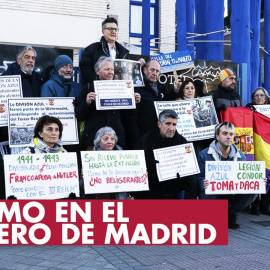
167,114
100,61
147,63
103,131
219,126
267,98
22,51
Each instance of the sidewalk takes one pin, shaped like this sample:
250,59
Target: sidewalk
249,248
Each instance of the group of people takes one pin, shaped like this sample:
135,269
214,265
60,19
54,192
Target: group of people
133,129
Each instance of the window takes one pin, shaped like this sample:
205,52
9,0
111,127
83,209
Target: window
135,29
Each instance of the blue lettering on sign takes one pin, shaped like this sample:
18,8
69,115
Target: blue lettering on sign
173,61
116,102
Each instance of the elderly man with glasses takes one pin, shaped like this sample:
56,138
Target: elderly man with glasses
108,46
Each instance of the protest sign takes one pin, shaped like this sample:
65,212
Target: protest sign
41,176
128,70
197,117
114,171
176,159
114,95
10,87
24,113
263,109
235,177
174,61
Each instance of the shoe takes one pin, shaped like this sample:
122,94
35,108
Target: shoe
255,211
232,222
265,211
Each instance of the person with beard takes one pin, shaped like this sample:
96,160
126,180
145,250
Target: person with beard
164,135
151,92
31,81
24,66
61,82
226,96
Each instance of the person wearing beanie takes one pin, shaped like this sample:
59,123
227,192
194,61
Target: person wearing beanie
61,82
226,95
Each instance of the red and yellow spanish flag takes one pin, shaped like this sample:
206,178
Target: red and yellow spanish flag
242,119
261,126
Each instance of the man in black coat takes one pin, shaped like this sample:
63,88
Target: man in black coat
151,92
108,46
165,135
24,66
122,121
31,81
31,84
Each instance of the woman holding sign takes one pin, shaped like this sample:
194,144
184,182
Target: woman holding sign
106,140
47,133
261,204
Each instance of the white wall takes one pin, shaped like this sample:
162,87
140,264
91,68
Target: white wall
167,26
121,8
59,23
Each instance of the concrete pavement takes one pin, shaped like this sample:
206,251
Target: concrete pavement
249,248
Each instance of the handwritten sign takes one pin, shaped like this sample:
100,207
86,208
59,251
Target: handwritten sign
174,61
41,176
113,95
263,109
114,171
24,113
128,70
235,177
10,87
176,159
197,117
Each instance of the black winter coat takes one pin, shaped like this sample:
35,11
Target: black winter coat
146,113
93,52
96,119
223,98
31,84
165,189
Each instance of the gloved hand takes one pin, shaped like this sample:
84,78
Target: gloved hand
222,107
178,176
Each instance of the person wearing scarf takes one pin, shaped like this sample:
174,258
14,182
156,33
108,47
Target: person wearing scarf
47,133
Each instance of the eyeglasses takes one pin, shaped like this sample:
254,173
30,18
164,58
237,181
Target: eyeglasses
259,95
112,29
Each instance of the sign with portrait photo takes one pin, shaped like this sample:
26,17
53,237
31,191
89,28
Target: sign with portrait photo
197,117
24,113
114,95
128,70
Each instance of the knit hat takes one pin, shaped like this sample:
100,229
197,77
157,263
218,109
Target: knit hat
225,73
62,60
